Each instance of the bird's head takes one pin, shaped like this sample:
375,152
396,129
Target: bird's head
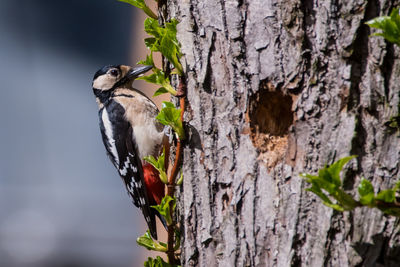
111,77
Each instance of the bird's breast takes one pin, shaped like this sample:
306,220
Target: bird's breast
147,139
141,113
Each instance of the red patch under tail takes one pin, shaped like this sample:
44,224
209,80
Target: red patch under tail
155,188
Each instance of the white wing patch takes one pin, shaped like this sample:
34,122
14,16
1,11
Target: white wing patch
134,169
124,169
147,219
130,188
141,199
110,135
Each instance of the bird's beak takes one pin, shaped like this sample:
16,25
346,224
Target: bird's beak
131,74
136,72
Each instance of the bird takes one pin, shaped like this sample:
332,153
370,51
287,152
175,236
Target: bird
130,131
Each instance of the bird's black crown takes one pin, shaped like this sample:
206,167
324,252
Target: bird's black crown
104,70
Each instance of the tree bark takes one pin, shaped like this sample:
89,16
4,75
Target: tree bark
275,89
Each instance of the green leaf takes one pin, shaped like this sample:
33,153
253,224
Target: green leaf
396,187
177,239
157,262
170,115
149,60
152,28
324,182
160,91
365,188
377,22
328,180
393,122
147,241
309,176
335,206
149,42
163,177
335,169
151,160
180,180
158,77
395,17
164,208
366,191
166,104
388,196
317,190
137,3
390,26
169,45
152,78
164,40
345,200
159,165
142,5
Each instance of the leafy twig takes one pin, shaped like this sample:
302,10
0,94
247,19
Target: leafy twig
327,185
147,241
163,39
157,77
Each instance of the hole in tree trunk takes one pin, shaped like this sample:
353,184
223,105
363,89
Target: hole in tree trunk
270,116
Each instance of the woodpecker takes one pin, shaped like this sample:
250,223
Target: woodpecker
130,131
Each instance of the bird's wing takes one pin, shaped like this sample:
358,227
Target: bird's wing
122,151
136,182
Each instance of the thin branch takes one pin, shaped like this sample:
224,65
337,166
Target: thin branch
382,205
174,172
387,205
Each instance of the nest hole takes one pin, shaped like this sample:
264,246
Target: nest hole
270,116
272,113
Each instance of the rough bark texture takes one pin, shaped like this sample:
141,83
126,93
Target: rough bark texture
276,88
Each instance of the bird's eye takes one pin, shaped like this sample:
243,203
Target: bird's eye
114,72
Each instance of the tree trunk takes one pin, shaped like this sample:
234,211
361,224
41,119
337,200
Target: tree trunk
275,89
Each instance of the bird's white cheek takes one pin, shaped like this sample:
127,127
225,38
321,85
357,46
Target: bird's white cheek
104,82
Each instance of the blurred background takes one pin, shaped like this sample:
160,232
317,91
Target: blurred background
61,200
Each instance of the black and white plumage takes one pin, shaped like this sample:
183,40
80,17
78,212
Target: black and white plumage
130,132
